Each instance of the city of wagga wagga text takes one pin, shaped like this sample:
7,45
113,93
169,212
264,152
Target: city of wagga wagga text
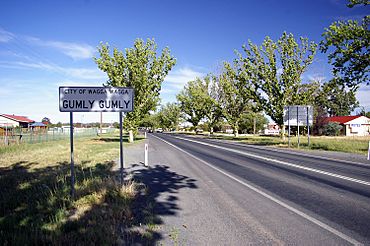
95,91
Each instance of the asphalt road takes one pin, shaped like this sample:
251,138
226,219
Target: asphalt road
242,194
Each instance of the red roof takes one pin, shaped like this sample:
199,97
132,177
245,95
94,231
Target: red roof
341,119
17,118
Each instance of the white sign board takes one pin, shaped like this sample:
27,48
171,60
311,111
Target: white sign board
299,113
96,99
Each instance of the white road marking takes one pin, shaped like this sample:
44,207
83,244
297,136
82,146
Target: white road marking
302,154
281,203
283,163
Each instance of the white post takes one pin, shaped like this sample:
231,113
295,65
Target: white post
146,155
145,134
368,152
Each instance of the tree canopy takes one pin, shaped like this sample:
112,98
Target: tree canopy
348,44
140,68
274,69
191,100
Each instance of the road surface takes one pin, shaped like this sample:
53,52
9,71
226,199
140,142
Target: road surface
226,193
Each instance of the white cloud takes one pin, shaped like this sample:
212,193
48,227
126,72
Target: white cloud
178,78
363,97
80,73
76,51
5,36
316,77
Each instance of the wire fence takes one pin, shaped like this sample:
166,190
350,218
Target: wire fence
22,136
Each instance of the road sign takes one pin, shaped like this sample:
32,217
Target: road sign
298,115
96,99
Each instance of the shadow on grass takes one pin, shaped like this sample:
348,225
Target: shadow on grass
116,139
35,206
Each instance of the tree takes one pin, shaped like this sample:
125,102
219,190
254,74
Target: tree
46,121
150,121
139,68
276,86
235,97
336,99
252,122
209,98
169,116
350,41
191,100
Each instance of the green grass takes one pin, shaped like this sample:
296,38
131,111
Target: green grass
35,203
358,145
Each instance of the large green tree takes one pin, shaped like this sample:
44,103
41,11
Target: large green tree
210,98
235,96
191,100
275,70
169,116
138,67
336,99
252,122
348,43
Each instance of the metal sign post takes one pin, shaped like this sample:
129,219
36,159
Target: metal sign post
298,125
288,128
72,156
299,115
308,129
95,99
120,147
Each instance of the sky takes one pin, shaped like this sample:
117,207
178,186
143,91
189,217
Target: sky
46,44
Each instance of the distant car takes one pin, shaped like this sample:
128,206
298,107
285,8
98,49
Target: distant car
159,130
150,130
198,131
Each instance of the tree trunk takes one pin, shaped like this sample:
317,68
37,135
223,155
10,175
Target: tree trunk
211,130
236,133
131,136
282,127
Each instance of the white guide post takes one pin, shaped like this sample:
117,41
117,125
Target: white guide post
146,155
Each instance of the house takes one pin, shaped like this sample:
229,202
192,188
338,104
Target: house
9,120
272,129
38,127
352,125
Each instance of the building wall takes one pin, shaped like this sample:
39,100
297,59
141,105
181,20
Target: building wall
361,130
8,122
358,127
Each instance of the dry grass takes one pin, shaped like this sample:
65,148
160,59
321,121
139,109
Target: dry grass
35,203
358,145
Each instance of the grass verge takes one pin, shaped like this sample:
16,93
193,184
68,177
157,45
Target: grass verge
35,203
357,145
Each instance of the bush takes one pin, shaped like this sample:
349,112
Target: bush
332,129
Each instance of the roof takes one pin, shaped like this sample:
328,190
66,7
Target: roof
341,119
38,124
17,118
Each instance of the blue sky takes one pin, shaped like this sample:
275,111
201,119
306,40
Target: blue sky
47,44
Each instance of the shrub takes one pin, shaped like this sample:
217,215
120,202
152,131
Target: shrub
332,129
